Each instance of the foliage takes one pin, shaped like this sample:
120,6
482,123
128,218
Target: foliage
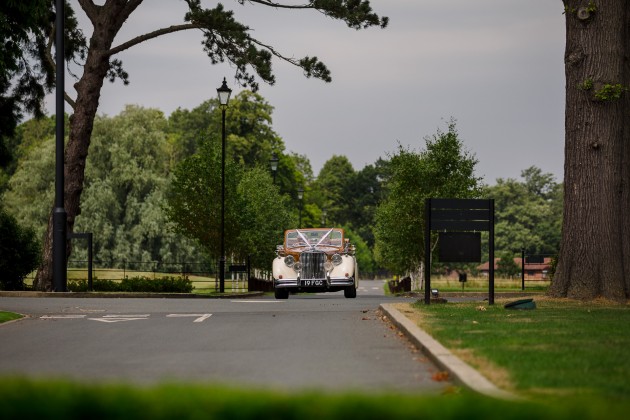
506,266
166,284
26,68
443,170
18,252
256,213
528,214
264,216
126,179
62,399
610,92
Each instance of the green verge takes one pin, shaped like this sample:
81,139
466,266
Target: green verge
561,348
22,398
8,316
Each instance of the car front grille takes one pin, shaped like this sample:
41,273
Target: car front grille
312,265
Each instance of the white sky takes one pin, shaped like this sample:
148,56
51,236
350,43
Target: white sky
496,66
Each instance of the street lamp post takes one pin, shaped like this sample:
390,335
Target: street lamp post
324,214
300,196
273,162
224,96
60,217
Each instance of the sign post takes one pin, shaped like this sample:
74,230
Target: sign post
464,218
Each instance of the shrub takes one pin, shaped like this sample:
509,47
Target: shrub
19,252
164,284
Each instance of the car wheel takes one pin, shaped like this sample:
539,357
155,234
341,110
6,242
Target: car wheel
281,293
350,292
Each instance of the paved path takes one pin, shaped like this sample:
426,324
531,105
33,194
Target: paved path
321,341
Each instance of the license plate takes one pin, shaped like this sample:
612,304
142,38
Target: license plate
312,283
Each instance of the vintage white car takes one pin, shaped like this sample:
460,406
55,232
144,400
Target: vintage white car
315,260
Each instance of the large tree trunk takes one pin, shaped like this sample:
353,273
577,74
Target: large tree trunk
594,252
107,21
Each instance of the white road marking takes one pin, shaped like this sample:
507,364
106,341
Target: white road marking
120,318
62,316
200,317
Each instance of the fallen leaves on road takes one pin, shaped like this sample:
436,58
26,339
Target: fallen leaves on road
440,376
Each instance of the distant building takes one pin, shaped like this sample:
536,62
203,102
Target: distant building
533,271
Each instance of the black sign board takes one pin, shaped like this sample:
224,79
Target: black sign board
238,268
460,247
535,259
459,222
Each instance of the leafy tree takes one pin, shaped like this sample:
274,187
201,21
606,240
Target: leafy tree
528,214
255,212
225,39
361,196
18,252
126,179
330,187
264,215
506,266
31,188
594,259
444,169
251,140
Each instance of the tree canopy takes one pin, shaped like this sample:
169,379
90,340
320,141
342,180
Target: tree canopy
443,169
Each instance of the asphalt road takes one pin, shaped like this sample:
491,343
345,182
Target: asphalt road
321,341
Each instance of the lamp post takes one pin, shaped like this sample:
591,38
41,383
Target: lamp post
60,217
224,96
300,196
324,214
273,162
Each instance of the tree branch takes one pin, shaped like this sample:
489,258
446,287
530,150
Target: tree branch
151,35
282,6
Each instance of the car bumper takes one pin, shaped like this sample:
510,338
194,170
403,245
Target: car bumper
315,284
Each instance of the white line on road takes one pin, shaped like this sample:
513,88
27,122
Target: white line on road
127,316
200,317
62,316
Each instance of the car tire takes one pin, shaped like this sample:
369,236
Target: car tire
350,292
281,293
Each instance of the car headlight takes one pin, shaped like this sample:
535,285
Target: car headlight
297,266
336,259
328,266
289,260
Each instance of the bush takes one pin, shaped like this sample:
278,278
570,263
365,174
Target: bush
164,284
19,253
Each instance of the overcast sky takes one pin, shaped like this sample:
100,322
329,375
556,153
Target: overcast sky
496,66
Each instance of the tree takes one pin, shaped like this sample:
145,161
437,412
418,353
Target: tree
256,214
330,186
125,184
594,259
527,214
506,266
22,86
444,169
225,39
18,252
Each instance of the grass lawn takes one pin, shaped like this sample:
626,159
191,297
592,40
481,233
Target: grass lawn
8,316
560,348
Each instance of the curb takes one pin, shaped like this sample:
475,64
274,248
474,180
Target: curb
462,373
128,295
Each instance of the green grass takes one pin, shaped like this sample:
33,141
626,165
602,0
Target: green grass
480,284
561,348
8,316
21,398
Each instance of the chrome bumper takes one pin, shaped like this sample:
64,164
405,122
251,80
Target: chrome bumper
300,284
